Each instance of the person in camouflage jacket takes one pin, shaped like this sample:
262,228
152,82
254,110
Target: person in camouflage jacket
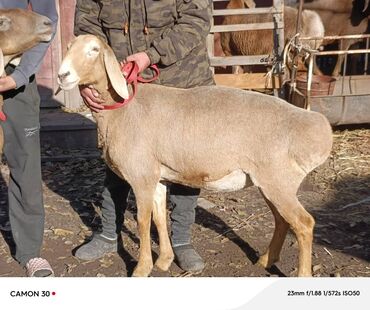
171,34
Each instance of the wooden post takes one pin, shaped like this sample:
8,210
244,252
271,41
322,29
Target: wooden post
279,44
295,58
72,99
47,75
211,41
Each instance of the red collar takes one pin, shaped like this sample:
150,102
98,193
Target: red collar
131,72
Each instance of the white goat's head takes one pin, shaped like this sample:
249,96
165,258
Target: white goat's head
21,30
89,61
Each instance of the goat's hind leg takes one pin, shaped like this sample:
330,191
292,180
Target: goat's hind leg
285,201
166,255
272,254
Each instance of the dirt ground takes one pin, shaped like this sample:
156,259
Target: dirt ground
229,236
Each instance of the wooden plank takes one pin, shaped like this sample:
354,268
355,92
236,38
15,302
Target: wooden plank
246,27
240,60
258,11
247,81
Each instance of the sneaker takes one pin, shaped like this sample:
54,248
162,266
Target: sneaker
187,258
96,248
38,267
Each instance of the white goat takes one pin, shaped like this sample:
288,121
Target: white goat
347,17
210,137
337,6
20,30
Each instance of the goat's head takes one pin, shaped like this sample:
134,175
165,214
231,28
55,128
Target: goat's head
90,61
21,30
360,11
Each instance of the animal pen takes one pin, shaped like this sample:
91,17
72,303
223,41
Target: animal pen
259,81
343,100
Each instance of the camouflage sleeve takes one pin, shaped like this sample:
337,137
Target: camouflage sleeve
86,18
191,30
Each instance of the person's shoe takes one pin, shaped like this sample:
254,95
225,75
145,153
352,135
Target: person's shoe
96,248
187,258
38,267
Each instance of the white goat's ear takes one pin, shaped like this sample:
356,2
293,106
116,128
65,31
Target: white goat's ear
250,4
1,62
114,73
366,4
15,61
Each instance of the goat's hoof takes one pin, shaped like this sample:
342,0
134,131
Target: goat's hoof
164,262
142,271
306,273
266,262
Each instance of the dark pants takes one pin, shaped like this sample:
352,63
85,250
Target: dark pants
183,200
22,151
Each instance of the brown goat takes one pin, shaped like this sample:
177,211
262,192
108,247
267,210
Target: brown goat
260,42
212,137
20,30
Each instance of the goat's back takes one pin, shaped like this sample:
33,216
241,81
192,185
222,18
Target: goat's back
339,24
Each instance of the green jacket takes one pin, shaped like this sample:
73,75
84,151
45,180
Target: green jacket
172,32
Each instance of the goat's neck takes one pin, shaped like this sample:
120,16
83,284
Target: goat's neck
108,94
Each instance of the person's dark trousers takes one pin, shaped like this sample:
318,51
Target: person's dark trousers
183,200
22,151
114,204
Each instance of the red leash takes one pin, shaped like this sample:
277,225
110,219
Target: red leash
2,116
131,72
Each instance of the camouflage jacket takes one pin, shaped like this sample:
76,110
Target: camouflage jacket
172,32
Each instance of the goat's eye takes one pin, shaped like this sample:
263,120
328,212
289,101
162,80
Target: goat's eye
95,49
5,23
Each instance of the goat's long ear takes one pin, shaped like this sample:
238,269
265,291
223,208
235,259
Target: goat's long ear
250,4
114,73
1,62
15,61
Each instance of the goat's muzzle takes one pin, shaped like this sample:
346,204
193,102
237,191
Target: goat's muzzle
66,81
44,29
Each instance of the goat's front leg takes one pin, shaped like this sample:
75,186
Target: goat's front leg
338,66
160,219
144,201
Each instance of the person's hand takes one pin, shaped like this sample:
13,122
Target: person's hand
91,98
142,60
7,83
